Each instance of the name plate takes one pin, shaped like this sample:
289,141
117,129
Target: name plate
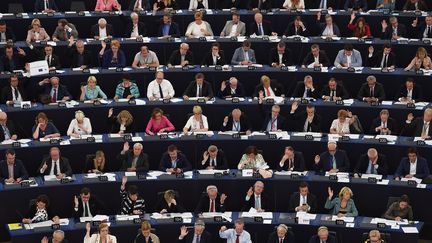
199,136
251,67
381,225
421,143
52,72
97,103
91,139
202,38
233,38
374,103
137,221
64,180
236,136
103,178
295,176
16,144
185,68
217,219
132,102
309,137
372,180
178,220
127,138
139,39
119,69
25,184
54,141
235,100
166,101
317,69
179,175
85,70
410,105
201,100
284,68
344,138
340,222
55,226
412,183
339,102
96,223
270,101
272,136
218,175
218,68
351,70
163,136
419,72
258,219
382,140
333,177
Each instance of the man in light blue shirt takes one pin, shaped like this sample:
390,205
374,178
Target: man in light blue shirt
348,57
236,235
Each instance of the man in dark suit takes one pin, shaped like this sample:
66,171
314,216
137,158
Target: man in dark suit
139,5
12,170
305,89
322,236
273,121
281,235
316,58
133,160
413,5
303,200
48,55
214,158
214,57
45,6
267,88
231,88
371,91
167,28
334,91
307,121
332,160
280,56
55,165
323,4
87,204
58,236
328,28
6,33
394,31
412,166
12,61
382,59
102,26
420,126
372,163
53,88
80,56
260,4
7,128
135,27
256,199
198,88
182,57
291,161
260,27
211,201
174,161
13,93
296,27
410,92
423,30
236,122
199,234
384,124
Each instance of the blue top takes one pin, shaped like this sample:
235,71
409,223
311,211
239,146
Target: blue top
90,94
50,129
351,210
108,61
133,90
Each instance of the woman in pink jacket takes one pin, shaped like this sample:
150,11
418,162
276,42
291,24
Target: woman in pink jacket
107,5
158,123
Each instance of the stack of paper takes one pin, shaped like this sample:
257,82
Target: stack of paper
126,217
211,172
345,219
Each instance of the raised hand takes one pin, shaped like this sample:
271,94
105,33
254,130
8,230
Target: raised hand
125,146
222,198
317,159
330,192
250,191
110,112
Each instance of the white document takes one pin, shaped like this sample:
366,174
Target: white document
410,230
366,176
247,172
345,219
128,173
38,68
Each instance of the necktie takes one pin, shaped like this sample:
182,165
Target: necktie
260,29
54,98
305,94
334,165
16,93
237,239
86,210
257,202
429,32
371,92
281,241
200,91
174,163
197,239
296,30
65,36
55,168
372,168
424,130
6,132
49,60
160,92
46,5
212,206
384,64
273,125
268,94
333,93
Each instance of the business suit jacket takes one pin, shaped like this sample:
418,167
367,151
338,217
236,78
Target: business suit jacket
267,26
19,170
221,161
95,30
245,124
295,201
191,89
39,5
162,204
391,124
336,30
275,86
377,59
314,4
356,59
300,89
175,58
418,31
62,91
254,4
142,163
316,239
325,163
241,28
18,62
286,57
239,56
60,34
204,204
95,207
280,120
12,130
40,55
144,4
363,163
10,34
365,91
322,58
50,240
273,238
65,167
74,56
340,91
31,36
300,119
265,203
208,59
415,128
421,5
174,30
182,162
356,4
6,94
299,163
417,93
142,30
239,91
115,126
422,169
205,237
290,30
388,33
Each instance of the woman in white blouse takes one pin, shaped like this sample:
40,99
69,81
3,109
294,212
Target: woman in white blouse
79,126
199,27
294,4
198,4
197,122
102,236
341,125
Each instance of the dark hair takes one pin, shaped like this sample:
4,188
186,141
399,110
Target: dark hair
133,190
251,150
155,111
85,191
289,148
167,15
10,151
281,44
247,43
314,46
386,45
410,79
2,22
63,22
404,198
216,44
303,184
43,198
199,75
172,148
412,150
126,76
235,13
348,47
8,47
12,76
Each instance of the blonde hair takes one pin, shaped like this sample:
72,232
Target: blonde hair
375,233
169,194
344,190
197,109
198,14
79,115
92,78
99,154
421,50
126,114
145,226
265,78
36,22
342,113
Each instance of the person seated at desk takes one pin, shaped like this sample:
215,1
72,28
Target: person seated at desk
420,126
268,88
214,57
6,33
199,27
55,164
47,55
91,91
294,4
214,159
139,5
160,88
174,161
384,124
423,30
256,199
11,61
145,235
12,170
348,57
251,159
281,235
132,203
96,163
413,5
303,200
46,6
356,5
329,28
296,27
234,27
394,31
52,91
343,205
371,162
114,57
244,55
420,61
145,59
58,236
316,58
345,123
413,166
305,89
64,31
36,32
182,57
211,201
160,5
322,236
260,27
360,29
254,5
158,123
371,91
198,88
86,204
410,92
81,125
333,160
306,121
280,56
168,202
291,161
200,235
40,211
80,57
102,30
135,28
334,91
382,59
134,160
374,236
198,4
44,128
400,210
238,234
231,88
107,5
237,122
386,4
101,236
7,128
167,28
122,123
274,121
127,89
196,122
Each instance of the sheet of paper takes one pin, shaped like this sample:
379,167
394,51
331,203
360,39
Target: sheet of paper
410,230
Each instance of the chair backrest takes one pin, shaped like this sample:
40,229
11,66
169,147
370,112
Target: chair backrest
391,200
77,6
15,8
334,234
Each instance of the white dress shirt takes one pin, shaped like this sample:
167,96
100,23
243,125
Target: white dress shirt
233,30
14,98
134,32
328,31
153,89
231,235
413,167
57,165
102,32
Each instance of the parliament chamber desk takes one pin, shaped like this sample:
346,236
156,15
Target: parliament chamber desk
168,230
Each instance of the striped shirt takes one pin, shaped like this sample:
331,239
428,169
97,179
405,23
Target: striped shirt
128,206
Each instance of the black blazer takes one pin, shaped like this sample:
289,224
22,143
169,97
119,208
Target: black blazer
245,124
74,56
281,122
6,95
95,30
300,118
162,204
205,237
174,30
299,163
239,91
300,89
342,161
115,126
55,60
419,30
175,58
18,61
221,161
254,4
316,239
19,170
275,86
391,124
10,34
295,200
365,91
290,30
142,163
417,93
253,27
89,164
204,204
12,130
323,59
182,162
273,238
62,91
144,4
65,167
315,4
340,91
207,90
208,59
286,57
388,33
415,128
39,5
142,30
50,240
95,207
410,6
377,58
265,203
363,163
